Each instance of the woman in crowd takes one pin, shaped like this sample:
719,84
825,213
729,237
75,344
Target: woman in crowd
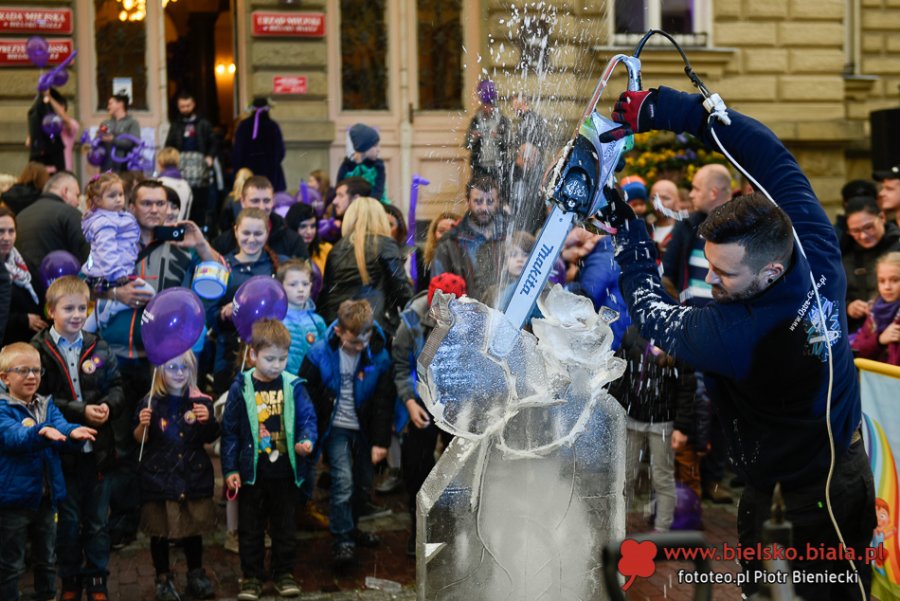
24,308
27,188
440,225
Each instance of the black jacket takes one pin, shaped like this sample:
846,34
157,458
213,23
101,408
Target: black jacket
388,290
206,141
100,383
859,264
47,225
282,240
20,197
21,304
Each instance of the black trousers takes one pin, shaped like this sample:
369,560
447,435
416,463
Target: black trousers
853,503
268,505
417,458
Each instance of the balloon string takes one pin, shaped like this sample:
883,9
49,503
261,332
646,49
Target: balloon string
244,360
149,399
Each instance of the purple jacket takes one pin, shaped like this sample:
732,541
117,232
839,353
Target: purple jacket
113,236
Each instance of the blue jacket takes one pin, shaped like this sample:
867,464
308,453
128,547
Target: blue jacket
598,279
175,465
762,357
26,457
240,426
373,390
306,327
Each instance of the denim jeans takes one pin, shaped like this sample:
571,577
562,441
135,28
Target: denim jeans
351,480
83,533
16,525
267,505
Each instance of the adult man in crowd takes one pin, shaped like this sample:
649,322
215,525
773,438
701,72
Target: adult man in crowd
52,222
889,195
111,130
685,268
473,249
346,191
774,340
163,265
258,193
193,136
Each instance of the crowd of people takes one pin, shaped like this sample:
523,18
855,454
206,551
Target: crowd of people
331,387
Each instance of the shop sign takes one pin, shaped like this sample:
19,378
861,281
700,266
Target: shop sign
289,84
38,21
288,24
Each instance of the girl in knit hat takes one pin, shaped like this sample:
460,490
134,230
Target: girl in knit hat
363,161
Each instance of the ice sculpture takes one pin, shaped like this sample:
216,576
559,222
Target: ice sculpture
524,498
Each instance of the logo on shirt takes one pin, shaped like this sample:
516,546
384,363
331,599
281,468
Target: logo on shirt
91,365
190,417
28,422
310,338
822,330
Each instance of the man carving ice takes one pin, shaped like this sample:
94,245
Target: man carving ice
765,341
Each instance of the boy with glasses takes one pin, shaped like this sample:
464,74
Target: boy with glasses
83,378
31,431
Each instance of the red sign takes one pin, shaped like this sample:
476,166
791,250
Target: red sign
289,84
12,52
298,25
36,20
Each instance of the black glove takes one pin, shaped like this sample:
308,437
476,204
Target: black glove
635,111
617,212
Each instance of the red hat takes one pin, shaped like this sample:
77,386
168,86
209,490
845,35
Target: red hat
448,283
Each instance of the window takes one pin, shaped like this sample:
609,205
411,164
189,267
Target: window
687,20
121,51
364,46
440,42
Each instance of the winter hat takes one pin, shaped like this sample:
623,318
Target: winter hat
634,187
487,91
363,137
448,283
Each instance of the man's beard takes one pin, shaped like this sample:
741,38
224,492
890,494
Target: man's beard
720,295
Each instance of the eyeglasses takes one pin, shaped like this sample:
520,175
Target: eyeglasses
867,229
25,371
174,368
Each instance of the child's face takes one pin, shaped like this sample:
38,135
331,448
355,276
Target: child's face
372,153
515,261
313,183
176,375
353,344
889,281
251,235
270,362
23,386
172,214
69,315
297,285
112,199
307,230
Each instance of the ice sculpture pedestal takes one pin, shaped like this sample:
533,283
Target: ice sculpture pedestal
523,500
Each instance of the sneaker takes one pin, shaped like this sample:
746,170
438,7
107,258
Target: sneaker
717,493
366,539
231,542
165,589
199,586
390,482
372,511
287,586
71,589
344,554
251,589
96,589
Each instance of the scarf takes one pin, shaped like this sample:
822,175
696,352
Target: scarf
173,172
19,273
884,313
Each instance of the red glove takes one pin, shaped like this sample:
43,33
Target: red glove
635,111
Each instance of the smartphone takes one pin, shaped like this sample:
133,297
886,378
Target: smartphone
167,233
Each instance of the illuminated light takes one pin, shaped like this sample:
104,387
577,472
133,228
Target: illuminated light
127,4
123,16
220,69
231,68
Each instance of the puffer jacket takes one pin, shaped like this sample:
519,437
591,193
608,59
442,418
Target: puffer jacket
26,457
388,289
100,381
373,387
859,265
175,466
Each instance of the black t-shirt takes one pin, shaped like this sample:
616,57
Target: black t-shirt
273,459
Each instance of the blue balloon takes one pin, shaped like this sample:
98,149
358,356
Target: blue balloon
58,264
260,297
171,324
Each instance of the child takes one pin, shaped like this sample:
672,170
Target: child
268,427
176,473
364,161
31,428
516,250
420,438
305,326
83,378
879,337
113,234
658,394
349,379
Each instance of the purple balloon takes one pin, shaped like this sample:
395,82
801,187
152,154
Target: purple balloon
171,324
38,51
57,264
96,156
60,78
52,124
328,230
260,297
687,509
316,281
487,91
